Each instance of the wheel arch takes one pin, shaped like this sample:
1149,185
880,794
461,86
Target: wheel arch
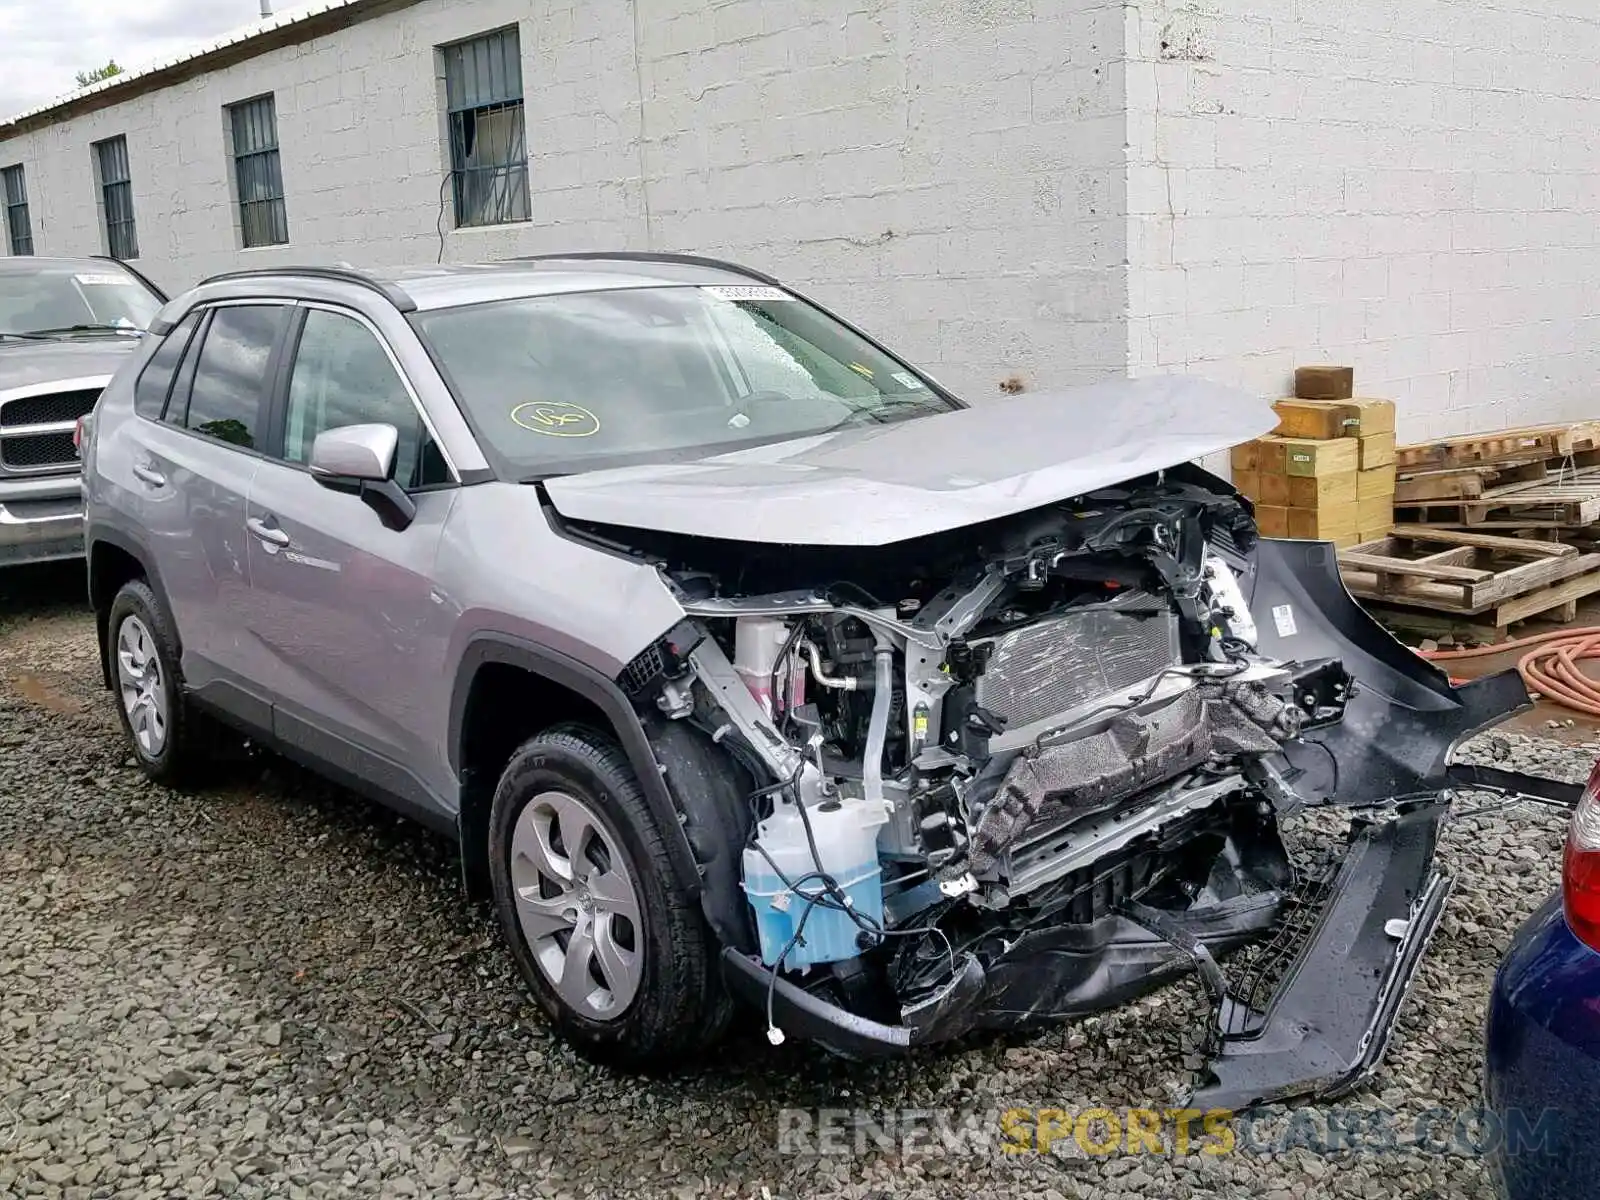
114,559
497,668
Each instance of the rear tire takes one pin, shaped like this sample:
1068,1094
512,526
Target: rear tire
170,741
613,950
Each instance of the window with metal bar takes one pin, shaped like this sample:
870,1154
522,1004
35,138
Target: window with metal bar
18,228
116,198
263,220
488,150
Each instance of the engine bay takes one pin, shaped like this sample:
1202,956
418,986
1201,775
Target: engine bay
970,740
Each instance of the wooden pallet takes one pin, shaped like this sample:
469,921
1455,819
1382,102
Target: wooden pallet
1460,573
1470,483
1567,500
1504,447
1474,588
1479,630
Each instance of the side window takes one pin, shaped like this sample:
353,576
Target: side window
155,381
229,390
343,376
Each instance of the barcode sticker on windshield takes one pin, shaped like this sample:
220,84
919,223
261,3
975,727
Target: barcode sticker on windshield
103,280
724,292
908,381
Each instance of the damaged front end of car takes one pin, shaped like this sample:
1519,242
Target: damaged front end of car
1030,769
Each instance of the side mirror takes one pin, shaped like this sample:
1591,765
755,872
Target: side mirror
360,458
355,452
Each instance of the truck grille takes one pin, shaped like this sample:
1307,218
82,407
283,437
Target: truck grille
1061,663
36,431
54,408
38,450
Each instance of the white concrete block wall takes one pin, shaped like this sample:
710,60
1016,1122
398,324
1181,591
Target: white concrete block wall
1411,188
950,176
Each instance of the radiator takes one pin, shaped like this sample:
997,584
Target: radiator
1060,664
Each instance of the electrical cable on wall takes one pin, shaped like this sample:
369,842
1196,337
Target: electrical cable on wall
438,223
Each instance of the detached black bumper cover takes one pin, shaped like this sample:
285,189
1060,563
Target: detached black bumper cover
1329,1023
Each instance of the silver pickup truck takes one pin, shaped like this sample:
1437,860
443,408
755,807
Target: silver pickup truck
66,325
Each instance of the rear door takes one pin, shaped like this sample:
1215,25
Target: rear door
192,463
344,605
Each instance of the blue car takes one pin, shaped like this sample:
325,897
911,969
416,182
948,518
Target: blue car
1542,1073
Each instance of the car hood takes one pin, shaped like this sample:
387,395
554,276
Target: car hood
885,483
23,364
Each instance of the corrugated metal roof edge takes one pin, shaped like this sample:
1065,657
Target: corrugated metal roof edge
250,42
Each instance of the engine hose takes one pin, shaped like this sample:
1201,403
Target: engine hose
878,722
1550,666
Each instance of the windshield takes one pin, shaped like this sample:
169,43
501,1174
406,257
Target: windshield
574,382
55,299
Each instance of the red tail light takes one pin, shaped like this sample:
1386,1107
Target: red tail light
1580,866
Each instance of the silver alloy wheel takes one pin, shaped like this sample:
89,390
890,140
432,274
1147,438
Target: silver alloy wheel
139,680
577,904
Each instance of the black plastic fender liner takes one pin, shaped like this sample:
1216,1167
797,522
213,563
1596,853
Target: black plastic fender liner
1328,1025
585,681
710,788
1404,717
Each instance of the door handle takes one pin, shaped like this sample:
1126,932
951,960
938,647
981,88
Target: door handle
149,475
270,534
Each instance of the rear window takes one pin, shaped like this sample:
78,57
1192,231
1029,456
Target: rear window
155,381
561,383
230,377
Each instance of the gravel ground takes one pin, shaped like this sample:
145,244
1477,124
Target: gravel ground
274,989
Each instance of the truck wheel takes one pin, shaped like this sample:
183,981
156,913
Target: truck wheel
168,738
612,949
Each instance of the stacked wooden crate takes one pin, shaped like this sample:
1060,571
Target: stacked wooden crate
1327,471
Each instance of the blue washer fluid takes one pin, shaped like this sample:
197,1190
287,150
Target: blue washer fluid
846,833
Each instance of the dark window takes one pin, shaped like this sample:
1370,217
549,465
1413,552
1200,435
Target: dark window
342,376
263,220
230,378
18,227
116,197
488,150
155,381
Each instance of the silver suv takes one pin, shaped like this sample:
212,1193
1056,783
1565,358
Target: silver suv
745,662
66,325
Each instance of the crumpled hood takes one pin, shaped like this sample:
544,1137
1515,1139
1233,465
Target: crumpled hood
873,485
25,363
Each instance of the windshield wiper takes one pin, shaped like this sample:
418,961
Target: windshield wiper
880,411
56,330
21,336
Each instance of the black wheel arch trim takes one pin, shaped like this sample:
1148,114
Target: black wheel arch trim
585,681
104,535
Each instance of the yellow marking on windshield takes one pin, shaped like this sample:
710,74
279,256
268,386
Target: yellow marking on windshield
861,370
556,419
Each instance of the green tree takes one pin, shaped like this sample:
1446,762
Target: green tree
85,78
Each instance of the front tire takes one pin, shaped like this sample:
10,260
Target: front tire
162,728
612,949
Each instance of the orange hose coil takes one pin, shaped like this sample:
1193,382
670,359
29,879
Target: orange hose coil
1550,667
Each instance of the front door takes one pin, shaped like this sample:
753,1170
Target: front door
343,604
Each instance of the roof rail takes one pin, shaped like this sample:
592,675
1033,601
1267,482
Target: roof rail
688,260
135,272
389,291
